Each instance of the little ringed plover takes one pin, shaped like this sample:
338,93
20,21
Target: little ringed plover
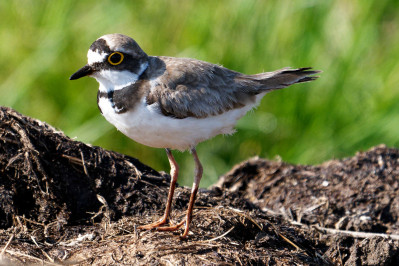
174,103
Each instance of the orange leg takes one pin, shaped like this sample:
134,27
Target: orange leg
174,172
197,179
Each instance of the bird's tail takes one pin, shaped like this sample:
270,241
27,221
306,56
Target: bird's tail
284,77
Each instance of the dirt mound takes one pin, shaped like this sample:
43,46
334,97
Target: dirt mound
65,202
349,197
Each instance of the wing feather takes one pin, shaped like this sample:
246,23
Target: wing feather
184,87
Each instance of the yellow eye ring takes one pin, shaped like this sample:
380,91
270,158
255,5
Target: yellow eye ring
114,60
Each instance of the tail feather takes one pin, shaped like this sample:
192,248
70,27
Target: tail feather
284,77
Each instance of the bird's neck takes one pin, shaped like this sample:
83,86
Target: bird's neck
113,80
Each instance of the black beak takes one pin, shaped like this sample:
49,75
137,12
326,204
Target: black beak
84,71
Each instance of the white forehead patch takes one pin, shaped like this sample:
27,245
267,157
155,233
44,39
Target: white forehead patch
95,57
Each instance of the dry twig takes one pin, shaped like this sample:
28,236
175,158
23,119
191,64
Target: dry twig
354,234
6,246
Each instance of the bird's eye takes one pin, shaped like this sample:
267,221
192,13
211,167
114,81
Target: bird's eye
115,58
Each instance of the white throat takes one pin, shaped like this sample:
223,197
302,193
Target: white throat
113,80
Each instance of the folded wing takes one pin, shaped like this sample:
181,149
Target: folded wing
193,88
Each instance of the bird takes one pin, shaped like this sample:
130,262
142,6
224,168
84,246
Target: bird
174,103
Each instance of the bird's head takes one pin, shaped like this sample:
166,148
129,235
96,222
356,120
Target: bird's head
114,60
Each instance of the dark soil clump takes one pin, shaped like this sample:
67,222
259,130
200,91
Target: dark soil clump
65,202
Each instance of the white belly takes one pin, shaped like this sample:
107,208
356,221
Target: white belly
146,125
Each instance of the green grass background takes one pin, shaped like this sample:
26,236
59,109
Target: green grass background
353,106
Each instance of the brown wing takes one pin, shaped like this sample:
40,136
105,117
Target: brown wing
184,87
192,88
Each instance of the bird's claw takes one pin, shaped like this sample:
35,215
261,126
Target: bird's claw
157,226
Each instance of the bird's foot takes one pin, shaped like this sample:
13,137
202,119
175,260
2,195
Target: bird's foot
175,227
157,226
171,227
154,225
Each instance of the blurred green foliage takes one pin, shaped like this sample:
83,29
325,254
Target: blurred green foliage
353,106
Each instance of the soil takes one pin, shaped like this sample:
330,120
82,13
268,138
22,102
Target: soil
66,202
